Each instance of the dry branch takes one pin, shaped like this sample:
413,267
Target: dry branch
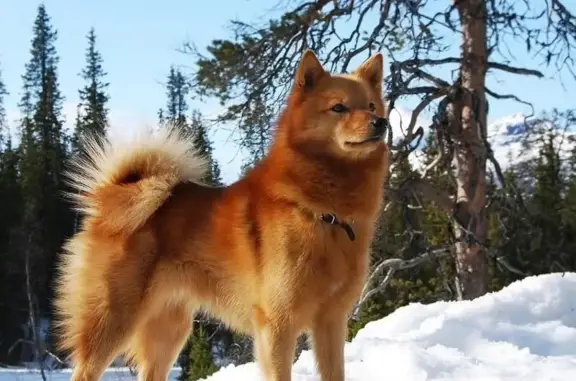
514,70
393,265
409,137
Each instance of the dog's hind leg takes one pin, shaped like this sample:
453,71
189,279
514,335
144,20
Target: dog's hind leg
97,343
158,341
96,312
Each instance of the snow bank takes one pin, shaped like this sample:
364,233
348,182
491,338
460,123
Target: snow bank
525,332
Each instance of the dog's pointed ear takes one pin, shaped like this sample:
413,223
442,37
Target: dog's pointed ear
309,71
372,71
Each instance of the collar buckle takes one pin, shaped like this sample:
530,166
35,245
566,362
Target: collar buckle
333,220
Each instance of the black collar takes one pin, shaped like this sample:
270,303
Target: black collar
333,220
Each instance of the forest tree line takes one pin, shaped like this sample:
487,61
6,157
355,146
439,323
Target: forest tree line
35,216
458,229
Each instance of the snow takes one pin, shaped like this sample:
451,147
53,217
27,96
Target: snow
112,374
525,331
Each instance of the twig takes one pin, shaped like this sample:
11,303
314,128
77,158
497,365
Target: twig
393,265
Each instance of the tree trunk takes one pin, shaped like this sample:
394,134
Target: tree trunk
470,151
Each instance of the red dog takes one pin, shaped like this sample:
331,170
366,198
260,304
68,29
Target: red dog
283,250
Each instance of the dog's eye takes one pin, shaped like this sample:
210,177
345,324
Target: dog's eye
339,107
372,106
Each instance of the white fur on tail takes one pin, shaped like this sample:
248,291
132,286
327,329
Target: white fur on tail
139,171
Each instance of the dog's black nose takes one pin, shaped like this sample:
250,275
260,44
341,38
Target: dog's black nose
380,125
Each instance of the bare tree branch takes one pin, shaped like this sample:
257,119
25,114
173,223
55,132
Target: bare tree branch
515,70
409,136
510,96
393,265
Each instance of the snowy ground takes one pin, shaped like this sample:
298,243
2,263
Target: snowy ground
116,374
524,332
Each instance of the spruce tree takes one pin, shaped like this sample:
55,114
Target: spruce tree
4,135
509,230
12,297
202,141
177,91
3,122
569,217
198,362
92,118
8,176
8,216
547,202
46,218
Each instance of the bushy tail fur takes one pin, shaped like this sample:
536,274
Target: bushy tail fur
121,184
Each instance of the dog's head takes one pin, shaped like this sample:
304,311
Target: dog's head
342,115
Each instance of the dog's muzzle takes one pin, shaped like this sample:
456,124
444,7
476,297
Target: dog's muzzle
379,126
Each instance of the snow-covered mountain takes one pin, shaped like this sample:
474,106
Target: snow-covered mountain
507,137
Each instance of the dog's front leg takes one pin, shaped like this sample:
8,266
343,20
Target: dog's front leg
275,342
328,339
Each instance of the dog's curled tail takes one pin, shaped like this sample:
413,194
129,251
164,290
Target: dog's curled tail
121,184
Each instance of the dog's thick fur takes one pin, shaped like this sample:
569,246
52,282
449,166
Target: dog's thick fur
156,245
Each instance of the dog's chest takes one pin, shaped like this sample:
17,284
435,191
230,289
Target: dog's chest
328,260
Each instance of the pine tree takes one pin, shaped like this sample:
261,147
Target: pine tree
92,115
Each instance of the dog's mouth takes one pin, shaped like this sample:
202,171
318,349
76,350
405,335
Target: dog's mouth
371,139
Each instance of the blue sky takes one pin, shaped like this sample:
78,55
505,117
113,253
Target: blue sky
139,42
